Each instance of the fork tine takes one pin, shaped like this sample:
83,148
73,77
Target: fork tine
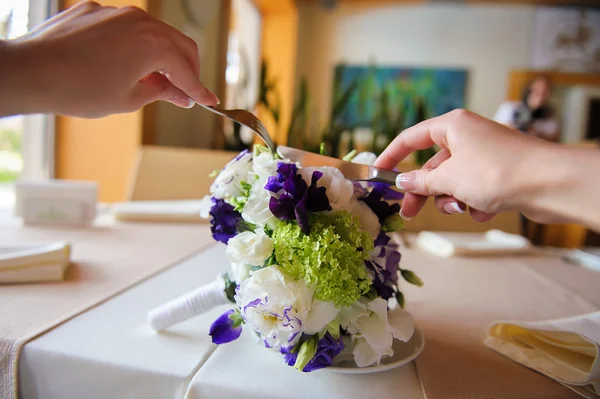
260,126
246,118
265,134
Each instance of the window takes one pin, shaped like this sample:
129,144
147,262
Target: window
243,69
26,141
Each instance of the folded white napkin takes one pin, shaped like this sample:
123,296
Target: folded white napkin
566,350
586,257
493,242
22,264
157,211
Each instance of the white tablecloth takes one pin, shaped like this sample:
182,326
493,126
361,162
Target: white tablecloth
243,369
110,352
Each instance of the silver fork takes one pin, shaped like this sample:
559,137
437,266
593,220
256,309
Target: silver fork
247,119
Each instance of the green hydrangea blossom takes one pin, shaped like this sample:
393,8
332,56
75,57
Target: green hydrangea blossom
328,258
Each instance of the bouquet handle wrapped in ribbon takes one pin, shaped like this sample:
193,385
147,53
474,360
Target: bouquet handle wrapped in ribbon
313,269
191,304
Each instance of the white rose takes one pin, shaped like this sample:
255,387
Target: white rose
252,248
340,190
365,158
375,329
228,182
265,165
239,272
367,218
256,209
275,306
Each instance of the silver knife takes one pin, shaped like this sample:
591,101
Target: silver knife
350,170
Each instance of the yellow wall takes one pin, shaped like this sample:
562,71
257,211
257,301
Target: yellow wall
103,149
279,49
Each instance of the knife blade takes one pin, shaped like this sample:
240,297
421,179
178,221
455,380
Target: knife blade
350,170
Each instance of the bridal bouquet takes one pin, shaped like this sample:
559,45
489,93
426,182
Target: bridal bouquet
314,272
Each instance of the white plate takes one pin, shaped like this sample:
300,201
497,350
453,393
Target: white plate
404,353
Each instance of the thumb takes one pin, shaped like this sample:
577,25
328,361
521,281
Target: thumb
155,87
426,182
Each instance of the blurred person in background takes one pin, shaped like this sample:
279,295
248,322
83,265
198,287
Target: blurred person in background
532,115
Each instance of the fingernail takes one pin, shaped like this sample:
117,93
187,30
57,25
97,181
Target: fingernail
191,103
212,97
403,216
453,208
405,181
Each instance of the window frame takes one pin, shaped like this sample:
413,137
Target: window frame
38,144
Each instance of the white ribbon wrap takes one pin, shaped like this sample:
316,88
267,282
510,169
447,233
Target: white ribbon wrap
189,305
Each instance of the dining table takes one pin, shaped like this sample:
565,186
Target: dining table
88,336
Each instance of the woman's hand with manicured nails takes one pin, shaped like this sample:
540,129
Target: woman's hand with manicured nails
489,168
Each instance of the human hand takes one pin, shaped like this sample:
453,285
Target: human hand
92,60
482,164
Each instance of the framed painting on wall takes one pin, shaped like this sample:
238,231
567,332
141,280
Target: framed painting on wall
440,89
374,104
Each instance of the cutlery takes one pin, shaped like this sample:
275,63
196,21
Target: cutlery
350,170
247,119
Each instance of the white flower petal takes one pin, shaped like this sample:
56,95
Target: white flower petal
321,314
366,217
274,305
365,355
349,316
205,205
239,272
375,328
256,209
340,190
265,165
228,183
365,158
252,248
400,324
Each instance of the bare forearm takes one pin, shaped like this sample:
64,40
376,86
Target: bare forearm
21,89
562,181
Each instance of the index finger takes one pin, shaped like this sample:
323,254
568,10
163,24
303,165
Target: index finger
419,137
182,75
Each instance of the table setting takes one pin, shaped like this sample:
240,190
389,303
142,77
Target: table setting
294,280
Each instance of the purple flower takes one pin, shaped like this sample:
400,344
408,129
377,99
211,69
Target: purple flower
382,282
359,190
296,198
226,328
378,204
384,265
224,220
382,239
327,349
387,192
